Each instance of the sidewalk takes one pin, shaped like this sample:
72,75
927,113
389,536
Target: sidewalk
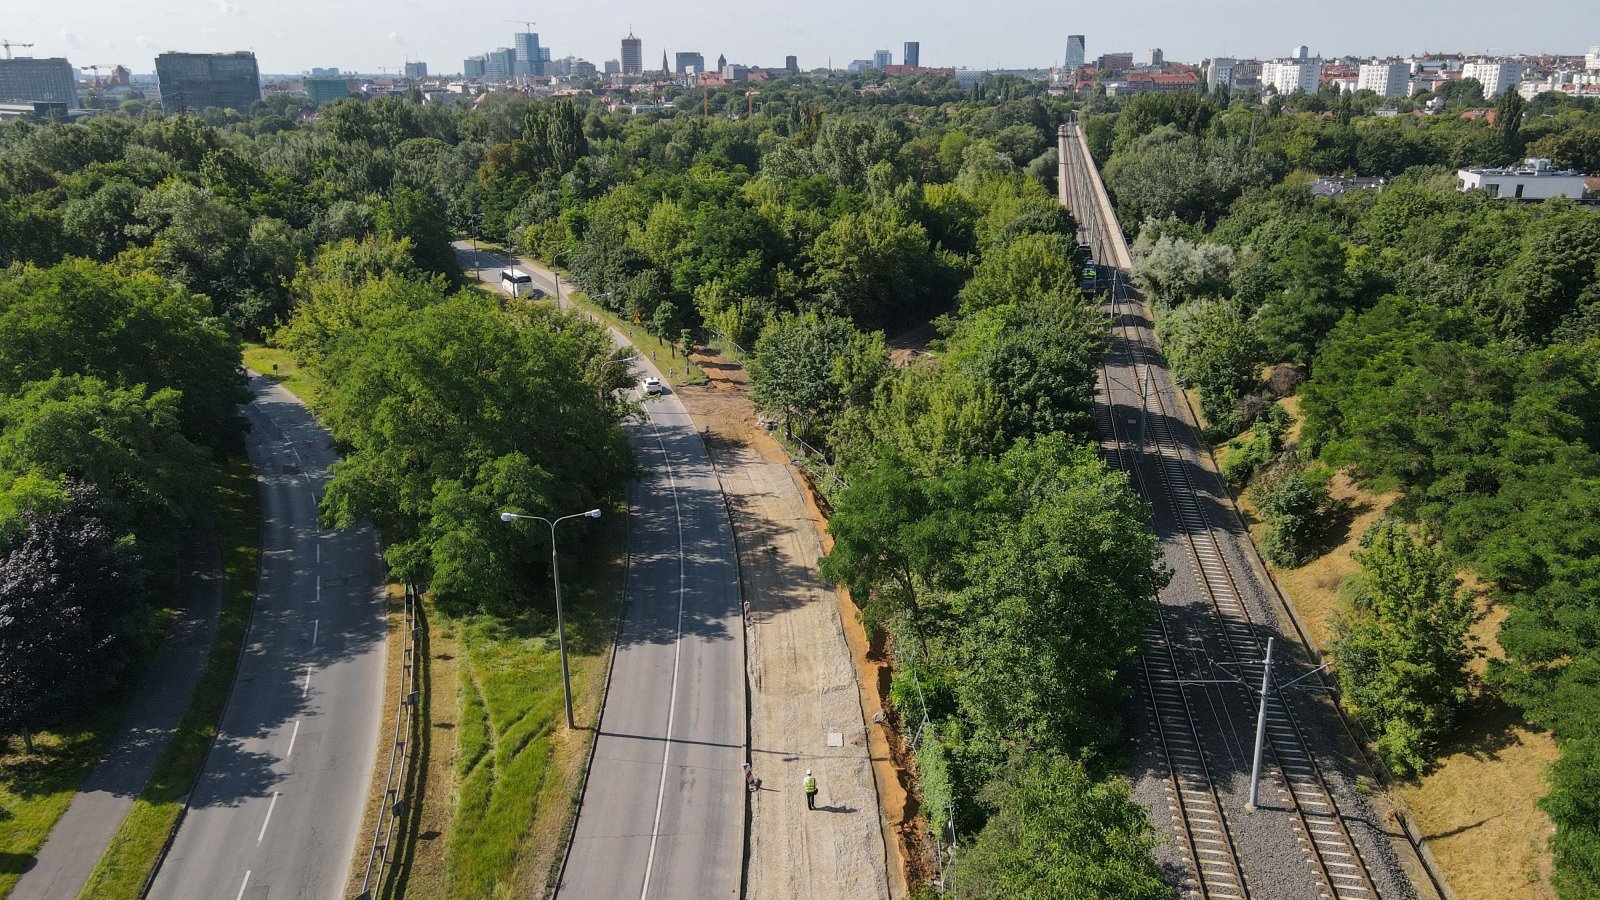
83,832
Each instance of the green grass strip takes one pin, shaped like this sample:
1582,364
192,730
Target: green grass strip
131,857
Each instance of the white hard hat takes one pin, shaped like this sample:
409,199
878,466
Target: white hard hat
808,771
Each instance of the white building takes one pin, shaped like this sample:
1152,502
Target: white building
1288,76
1591,61
1219,72
1534,180
1386,79
1154,58
1301,52
1494,75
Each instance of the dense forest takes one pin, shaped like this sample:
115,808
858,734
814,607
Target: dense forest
1439,344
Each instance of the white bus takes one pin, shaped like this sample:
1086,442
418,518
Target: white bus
516,282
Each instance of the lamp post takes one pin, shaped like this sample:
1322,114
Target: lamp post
555,575
626,360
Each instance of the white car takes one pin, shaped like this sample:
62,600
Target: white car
652,385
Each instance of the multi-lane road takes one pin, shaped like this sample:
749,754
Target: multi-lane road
276,809
663,807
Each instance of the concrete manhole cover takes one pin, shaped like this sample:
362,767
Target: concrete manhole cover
835,739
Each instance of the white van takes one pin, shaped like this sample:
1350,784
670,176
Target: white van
515,282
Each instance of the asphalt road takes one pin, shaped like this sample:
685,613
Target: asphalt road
663,812
276,810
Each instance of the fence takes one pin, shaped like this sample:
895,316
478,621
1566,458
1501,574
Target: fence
405,727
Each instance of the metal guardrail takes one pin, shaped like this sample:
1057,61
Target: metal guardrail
405,726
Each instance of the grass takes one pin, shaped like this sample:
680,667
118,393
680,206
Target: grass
678,370
132,855
35,788
280,366
510,788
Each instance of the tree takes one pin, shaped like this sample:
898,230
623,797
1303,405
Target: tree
1401,646
67,592
412,215
1317,292
1028,269
1058,833
82,318
797,363
1214,347
1171,269
1508,124
876,269
1574,805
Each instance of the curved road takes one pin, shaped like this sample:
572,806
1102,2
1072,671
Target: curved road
276,809
664,807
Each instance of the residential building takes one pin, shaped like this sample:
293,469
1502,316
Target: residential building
48,80
1289,76
1591,60
613,67
912,55
1301,52
1536,179
581,68
472,67
321,90
881,59
1153,83
1219,72
330,72
857,66
632,55
688,61
530,61
191,82
1386,79
1494,75
416,71
1154,58
1075,58
791,65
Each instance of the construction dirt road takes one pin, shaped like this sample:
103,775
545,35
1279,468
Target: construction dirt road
808,709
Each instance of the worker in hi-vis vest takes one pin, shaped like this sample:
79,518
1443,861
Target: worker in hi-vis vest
811,790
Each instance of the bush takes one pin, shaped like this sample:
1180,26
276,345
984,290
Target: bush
1574,804
1284,380
1254,450
1294,507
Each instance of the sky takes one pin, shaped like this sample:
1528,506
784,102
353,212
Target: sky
291,36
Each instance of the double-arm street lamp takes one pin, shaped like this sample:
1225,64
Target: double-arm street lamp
555,575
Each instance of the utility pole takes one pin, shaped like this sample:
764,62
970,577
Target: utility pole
1261,726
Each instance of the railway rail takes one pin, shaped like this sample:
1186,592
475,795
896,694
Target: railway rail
1228,639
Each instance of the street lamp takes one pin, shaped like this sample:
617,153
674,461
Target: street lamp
555,575
626,360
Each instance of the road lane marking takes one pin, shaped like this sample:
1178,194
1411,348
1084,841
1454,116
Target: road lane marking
306,688
677,650
319,587
243,886
292,737
314,624
264,822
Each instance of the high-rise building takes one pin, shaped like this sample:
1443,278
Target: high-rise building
687,61
722,61
882,59
529,60
332,72
1115,63
1494,75
500,65
632,55
913,54
1075,49
1301,52
1219,72
613,67
191,82
472,67
1591,60
791,64
27,80
1386,79
1154,58
1291,76
416,71
581,68
321,90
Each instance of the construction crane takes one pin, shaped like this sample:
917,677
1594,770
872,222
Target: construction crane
526,25
8,45
95,68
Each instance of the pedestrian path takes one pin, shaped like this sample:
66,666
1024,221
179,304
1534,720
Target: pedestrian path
80,837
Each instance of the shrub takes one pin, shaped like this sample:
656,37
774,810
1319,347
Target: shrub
1254,450
1294,506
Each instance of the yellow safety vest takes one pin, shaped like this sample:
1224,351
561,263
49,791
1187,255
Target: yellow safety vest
811,785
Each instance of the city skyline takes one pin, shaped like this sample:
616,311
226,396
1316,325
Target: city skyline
290,36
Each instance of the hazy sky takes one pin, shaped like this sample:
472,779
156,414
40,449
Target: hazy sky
294,35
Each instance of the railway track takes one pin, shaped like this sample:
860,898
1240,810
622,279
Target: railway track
1227,638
